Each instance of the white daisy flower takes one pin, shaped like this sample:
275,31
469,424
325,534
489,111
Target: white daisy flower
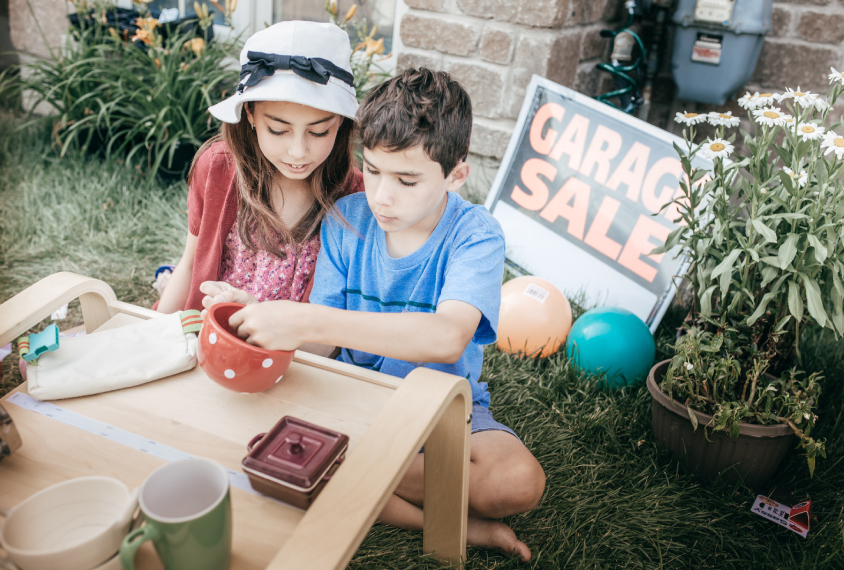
748,101
809,131
821,105
836,76
800,179
717,148
770,116
763,190
689,366
833,142
725,119
689,118
763,99
804,98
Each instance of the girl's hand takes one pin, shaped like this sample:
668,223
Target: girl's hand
222,292
271,325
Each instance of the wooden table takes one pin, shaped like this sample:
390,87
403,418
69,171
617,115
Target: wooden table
386,419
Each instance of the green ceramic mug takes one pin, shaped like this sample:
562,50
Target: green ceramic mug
188,514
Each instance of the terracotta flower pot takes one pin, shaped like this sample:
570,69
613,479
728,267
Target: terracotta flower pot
754,455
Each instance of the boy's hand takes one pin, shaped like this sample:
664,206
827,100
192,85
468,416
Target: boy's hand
271,325
222,292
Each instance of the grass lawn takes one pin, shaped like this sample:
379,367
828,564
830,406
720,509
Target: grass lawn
612,499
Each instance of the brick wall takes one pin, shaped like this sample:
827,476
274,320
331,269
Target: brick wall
493,46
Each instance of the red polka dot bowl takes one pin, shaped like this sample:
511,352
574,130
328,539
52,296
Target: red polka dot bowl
233,363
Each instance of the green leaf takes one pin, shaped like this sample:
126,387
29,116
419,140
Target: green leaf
770,260
760,310
820,249
788,250
692,417
821,174
786,179
795,300
811,462
769,273
727,264
783,154
814,300
838,321
767,233
706,301
836,281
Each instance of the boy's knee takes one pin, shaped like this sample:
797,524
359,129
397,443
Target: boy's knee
529,483
515,488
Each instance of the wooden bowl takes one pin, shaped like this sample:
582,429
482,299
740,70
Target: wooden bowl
233,363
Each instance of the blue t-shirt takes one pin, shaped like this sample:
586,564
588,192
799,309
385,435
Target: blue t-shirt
462,260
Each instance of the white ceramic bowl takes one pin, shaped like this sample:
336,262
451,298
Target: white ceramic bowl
74,525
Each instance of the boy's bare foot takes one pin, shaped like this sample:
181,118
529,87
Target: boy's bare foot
494,534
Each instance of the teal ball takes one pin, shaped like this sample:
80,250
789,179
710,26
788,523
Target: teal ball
612,341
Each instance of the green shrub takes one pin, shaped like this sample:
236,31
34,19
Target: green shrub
144,97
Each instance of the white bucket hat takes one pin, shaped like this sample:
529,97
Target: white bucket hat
300,62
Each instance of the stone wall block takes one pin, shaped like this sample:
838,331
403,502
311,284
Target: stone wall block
593,45
515,95
425,4
780,22
483,83
434,33
587,11
588,79
407,60
501,10
543,13
785,64
563,60
497,45
489,139
821,28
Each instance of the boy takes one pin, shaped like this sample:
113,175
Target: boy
411,276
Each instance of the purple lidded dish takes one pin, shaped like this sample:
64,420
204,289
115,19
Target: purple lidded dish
294,460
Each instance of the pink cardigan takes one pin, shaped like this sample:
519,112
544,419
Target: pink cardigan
212,211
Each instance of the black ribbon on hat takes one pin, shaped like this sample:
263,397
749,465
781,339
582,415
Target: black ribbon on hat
316,69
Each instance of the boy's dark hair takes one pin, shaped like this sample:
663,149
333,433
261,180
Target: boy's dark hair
419,107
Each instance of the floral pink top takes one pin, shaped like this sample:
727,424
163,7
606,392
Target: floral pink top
265,276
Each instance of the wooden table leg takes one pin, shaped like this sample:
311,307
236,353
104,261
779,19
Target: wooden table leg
446,501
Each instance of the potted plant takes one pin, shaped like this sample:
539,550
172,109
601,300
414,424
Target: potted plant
764,237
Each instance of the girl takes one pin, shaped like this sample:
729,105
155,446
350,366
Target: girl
259,190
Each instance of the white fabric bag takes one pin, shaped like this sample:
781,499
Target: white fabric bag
113,359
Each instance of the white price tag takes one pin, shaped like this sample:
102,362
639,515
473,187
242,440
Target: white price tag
534,291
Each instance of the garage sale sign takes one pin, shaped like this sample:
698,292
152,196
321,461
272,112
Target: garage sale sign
579,194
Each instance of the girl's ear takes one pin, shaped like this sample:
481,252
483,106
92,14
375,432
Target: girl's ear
458,176
249,113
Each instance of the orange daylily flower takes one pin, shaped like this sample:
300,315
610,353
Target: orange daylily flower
372,46
196,45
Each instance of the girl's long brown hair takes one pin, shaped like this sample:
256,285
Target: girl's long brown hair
255,179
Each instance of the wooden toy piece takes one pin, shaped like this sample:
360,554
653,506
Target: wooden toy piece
46,340
387,420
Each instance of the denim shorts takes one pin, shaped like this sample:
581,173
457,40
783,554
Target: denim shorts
482,420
